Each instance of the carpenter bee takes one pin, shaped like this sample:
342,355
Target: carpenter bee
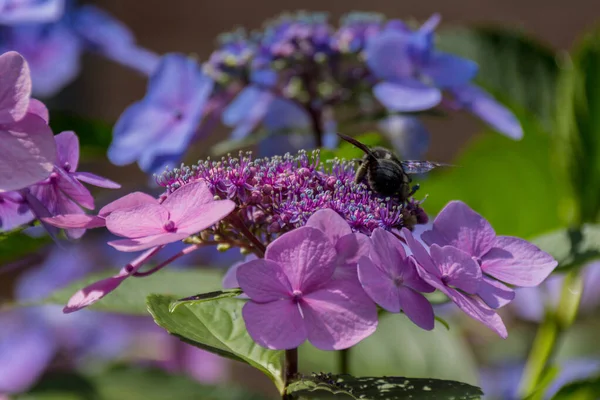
386,174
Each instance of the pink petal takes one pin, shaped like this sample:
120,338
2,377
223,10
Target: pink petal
129,245
38,108
494,293
183,202
96,180
277,325
476,309
67,147
27,153
416,307
457,267
92,293
74,189
421,255
518,262
331,223
305,255
263,281
137,222
459,226
339,315
15,87
129,201
205,216
378,285
69,221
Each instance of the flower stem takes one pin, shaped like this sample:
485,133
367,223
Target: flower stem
239,224
163,264
344,359
291,370
316,118
548,336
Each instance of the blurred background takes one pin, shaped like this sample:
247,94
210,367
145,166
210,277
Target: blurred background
510,183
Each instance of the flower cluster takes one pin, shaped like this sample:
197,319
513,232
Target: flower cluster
53,34
38,171
289,79
312,281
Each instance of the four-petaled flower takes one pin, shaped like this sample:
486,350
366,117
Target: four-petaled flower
294,298
508,259
185,212
391,279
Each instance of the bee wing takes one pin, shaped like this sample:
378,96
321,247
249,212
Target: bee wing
419,167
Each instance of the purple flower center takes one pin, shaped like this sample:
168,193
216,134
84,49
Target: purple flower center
169,226
53,177
398,281
445,279
67,166
178,115
296,296
477,259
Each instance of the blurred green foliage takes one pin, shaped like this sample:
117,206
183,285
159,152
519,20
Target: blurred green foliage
588,389
16,245
94,135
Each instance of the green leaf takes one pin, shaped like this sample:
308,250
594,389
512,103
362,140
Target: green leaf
217,326
130,296
578,125
572,248
210,296
16,245
588,389
94,135
324,386
523,70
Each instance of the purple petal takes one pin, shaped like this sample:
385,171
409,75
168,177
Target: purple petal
74,189
129,201
27,153
14,212
96,180
15,12
298,251
518,262
422,257
459,226
92,293
447,70
263,281
333,225
140,221
378,285
277,325
135,57
38,108
457,267
416,307
387,252
387,55
350,249
529,304
476,309
485,107
144,243
284,115
15,87
407,95
230,278
494,293
67,148
71,221
338,315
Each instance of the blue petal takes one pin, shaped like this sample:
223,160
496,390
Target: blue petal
485,107
264,77
100,30
407,95
255,114
447,70
408,136
284,115
387,55
18,12
239,108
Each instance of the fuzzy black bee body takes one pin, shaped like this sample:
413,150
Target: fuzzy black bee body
385,173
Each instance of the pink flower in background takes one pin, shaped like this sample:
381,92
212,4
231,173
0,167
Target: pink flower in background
27,149
391,279
458,276
294,298
185,212
508,259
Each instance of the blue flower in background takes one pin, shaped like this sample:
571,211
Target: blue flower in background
26,11
53,52
158,129
411,72
407,134
103,34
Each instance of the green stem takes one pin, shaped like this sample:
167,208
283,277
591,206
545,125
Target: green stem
344,359
291,370
548,336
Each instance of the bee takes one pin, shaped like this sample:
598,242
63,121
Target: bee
386,174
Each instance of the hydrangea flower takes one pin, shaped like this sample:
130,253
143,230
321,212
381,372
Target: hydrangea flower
30,11
27,149
294,298
185,212
14,211
508,259
164,122
391,279
457,275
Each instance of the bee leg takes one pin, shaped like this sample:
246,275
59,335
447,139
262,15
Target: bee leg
414,189
361,172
